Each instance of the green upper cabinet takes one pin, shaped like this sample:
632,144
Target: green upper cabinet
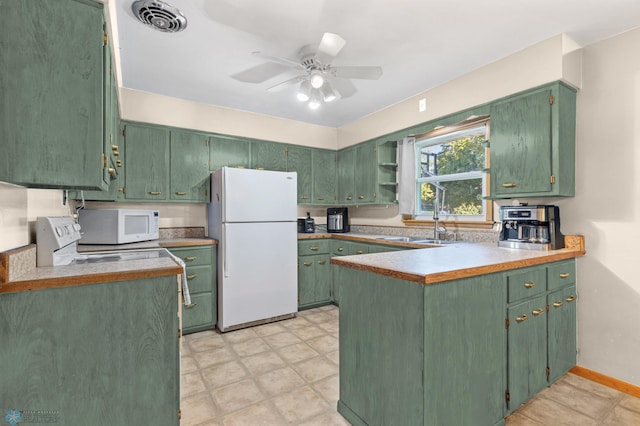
346,176
147,162
189,175
324,176
365,173
268,156
52,82
533,143
299,161
229,151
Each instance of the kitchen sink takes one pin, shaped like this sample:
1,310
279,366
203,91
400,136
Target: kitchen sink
418,240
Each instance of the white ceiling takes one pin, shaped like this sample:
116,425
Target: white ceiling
419,44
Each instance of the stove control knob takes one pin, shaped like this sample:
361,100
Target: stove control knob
58,231
76,227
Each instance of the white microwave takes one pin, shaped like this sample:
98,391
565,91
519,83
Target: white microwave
117,226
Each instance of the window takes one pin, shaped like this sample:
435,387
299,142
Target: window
450,175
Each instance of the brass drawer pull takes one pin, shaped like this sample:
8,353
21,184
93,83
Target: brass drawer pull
190,277
190,306
349,198
524,317
190,258
114,147
557,304
155,192
181,193
565,275
112,171
116,153
509,185
340,249
359,252
320,198
537,312
314,248
529,285
322,262
307,263
570,299
360,197
304,197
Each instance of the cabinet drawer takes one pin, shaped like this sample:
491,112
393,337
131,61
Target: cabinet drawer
195,256
200,279
526,283
340,248
311,247
199,315
560,274
358,248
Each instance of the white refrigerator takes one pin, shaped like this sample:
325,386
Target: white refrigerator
253,215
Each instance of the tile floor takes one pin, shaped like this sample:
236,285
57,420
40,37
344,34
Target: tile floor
286,373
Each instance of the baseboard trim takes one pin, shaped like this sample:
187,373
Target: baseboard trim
594,376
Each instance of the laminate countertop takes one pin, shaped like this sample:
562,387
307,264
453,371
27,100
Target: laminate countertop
437,264
157,263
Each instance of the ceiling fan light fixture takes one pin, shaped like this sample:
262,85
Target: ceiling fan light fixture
316,79
314,101
303,91
328,94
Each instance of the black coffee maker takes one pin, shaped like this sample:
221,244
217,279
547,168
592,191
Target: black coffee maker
531,227
307,225
337,219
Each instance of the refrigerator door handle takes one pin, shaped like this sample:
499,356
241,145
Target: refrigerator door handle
225,258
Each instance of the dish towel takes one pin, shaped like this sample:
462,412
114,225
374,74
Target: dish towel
186,297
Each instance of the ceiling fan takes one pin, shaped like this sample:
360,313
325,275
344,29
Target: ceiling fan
319,80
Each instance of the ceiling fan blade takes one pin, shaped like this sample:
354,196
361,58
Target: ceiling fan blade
279,60
344,88
260,73
284,84
366,73
330,45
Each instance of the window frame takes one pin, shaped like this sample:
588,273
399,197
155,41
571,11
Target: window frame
485,221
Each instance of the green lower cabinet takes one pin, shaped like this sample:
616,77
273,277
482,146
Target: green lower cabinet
562,331
527,350
200,263
314,273
94,354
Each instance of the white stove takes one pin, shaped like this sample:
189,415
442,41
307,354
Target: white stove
56,240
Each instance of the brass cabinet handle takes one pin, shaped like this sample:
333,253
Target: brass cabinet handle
190,258
537,312
509,185
340,249
259,168
320,198
557,304
359,252
530,284
112,171
349,198
181,193
155,192
360,197
314,248
321,262
307,263
116,153
570,299
524,317
191,305
190,277
565,275
304,197
119,163
114,147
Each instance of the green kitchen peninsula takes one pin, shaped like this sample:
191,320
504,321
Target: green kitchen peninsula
455,335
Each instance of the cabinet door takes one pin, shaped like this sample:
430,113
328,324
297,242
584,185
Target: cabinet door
268,156
324,176
189,166
521,145
299,161
323,278
562,331
51,80
527,350
226,151
306,280
366,173
346,176
147,162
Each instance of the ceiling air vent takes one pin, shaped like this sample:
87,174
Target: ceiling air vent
159,15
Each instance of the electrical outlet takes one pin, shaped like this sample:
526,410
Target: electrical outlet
422,105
